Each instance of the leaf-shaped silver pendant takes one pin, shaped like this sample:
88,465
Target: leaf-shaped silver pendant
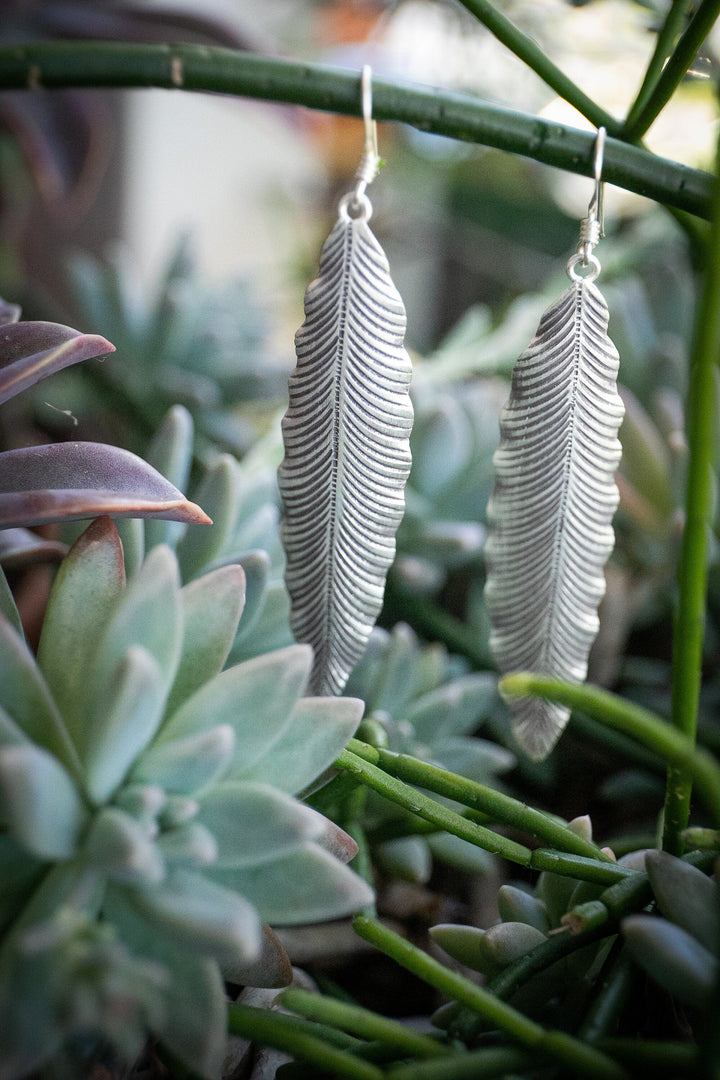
552,508
347,450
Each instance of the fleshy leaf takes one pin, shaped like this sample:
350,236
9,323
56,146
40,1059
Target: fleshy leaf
487,950
318,731
347,451
123,723
170,452
21,873
189,763
74,480
672,957
516,905
552,508
219,490
686,896
256,565
82,598
453,709
407,858
118,845
307,886
212,606
272,969
19,547
29,351
39,802
256,698
254,823
8,607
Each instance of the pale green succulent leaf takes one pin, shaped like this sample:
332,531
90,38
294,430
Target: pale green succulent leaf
441,445
148,614
272,969
143,801
8,607
672,957
686,897
407,858
307,886
30,1028
189,763
490,950
219,493
318,731
212,606
396,684
118,845
461,853
476,758
194,1016
85,591
256,565
189,844
132,535
455,708
271,631
201,915
10,732
253,823
123,723
21,873
25,696
170,452
39,802
256,698
516,905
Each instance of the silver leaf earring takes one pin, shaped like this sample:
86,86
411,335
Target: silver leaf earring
555,493
346,435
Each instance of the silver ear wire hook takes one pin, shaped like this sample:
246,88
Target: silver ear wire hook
592,226
369,165
596,209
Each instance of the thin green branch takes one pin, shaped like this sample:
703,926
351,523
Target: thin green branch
579,1059
533,56
700,426
674,71
495,1061
199,67
362,1022
641,724
667,37
496,804
309,1042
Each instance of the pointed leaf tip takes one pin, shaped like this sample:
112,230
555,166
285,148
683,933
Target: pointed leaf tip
30,351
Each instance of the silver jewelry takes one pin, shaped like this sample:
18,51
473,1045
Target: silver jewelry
346,435
555,492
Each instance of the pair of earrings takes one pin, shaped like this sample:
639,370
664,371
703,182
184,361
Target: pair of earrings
347,457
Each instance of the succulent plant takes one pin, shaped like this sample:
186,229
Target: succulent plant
426,703
150,828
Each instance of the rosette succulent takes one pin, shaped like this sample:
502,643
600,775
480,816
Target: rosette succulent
150,827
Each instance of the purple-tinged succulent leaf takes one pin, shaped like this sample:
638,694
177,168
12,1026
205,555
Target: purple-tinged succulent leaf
9,313
29,351
18,547
75,480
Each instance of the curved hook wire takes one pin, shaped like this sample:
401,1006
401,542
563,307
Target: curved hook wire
596,209
369,165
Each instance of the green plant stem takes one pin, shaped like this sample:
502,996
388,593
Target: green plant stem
612,996
295,1036
496,804
533,56
689,630
432,811
495,1061
674,71
580,1059
640,723
666,39
55,64
578,866
680,1059
362,1022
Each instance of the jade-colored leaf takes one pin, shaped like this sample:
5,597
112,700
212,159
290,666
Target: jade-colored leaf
148,614
29,351
487,951
39,802
170,452
202,916
132,536
686,897
453,709
395,685
193,1019
407,858
189,763
118,845
189,845
74,480
218,492
20,873
253,823
8,607
304,887
461,853
82,599
516,905
10,733
123,723
672,957
212,606
272,630
256,698
318,731
25,696
272,969
256,565
476,758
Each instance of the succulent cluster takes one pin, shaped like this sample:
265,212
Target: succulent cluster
150,828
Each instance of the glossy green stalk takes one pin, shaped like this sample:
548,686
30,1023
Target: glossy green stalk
666,40
496,804
577,1058
495,1061
47,65
674,71
361,1022
701,432
643,725
533,56
309,1042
